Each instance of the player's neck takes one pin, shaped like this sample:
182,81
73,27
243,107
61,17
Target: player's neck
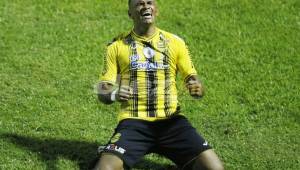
145,30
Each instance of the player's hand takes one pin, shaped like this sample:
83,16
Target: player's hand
195,88
124,93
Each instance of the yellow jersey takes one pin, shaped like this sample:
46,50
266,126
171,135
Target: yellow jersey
149,66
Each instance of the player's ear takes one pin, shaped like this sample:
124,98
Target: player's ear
157,12
129,14
156,9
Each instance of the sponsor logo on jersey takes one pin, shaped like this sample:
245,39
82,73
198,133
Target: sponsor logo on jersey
150,66
134,58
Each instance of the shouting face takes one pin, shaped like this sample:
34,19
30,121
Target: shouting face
142,11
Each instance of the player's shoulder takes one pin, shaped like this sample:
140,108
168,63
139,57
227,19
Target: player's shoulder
172,37
120,38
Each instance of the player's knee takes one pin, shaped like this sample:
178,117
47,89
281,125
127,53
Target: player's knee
208,160
208,166
219,166
215,166
104,165
109,162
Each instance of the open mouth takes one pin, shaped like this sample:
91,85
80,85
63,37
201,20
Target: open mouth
146,15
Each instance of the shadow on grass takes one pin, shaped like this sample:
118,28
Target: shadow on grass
82,152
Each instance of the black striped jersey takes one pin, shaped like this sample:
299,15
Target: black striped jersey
149,66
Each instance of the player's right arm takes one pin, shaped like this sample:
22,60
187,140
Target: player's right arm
105,91
107,94
105,87
108,90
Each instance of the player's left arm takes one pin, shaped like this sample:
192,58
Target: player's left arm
188,71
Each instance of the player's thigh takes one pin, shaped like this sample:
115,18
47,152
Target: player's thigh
183,146
130,142
181,143
109,161
208,160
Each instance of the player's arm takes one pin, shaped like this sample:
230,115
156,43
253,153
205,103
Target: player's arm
108,94
105,92
188,71
109,74
108,90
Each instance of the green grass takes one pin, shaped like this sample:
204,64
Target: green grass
247,53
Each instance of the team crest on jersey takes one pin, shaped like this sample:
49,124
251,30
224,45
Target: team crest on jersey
161,45
148,52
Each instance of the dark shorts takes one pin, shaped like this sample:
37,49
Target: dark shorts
174,138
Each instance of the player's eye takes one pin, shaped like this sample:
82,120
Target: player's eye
140,4
150,2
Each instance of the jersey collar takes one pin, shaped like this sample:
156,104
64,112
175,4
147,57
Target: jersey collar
143,38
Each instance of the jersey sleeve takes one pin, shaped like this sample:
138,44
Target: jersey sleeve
109,70
184,62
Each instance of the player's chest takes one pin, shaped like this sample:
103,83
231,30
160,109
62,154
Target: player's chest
143,57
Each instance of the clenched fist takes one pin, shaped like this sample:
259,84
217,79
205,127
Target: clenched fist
124,93
195,87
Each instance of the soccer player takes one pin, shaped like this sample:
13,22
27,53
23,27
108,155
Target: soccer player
146,61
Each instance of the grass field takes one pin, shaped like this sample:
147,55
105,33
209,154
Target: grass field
247,54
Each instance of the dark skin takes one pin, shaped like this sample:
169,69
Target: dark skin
143,13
